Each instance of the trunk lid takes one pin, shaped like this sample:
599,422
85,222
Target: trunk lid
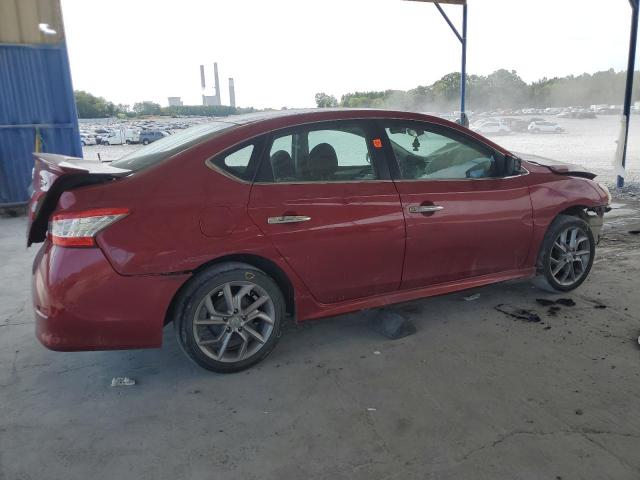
54,174
560,168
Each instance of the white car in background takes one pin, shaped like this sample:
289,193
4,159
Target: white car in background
492,128
118,137
544,127
87,140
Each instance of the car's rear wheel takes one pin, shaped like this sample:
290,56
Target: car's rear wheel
566,255
228,318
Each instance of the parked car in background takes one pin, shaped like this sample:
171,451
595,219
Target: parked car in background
545,127
87,140
492,128
101,137
150,136
122,136
308,214
516,124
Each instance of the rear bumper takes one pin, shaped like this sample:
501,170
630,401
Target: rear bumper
81,303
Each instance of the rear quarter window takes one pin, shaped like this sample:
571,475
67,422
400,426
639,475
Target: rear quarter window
239,162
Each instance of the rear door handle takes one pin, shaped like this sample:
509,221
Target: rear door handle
425,208
288,219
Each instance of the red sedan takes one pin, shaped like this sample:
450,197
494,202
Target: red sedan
230,226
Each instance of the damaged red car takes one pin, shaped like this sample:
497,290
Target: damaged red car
229,227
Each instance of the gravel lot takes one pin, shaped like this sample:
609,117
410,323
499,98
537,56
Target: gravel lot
475,394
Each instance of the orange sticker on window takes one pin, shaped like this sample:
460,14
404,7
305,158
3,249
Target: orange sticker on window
377,143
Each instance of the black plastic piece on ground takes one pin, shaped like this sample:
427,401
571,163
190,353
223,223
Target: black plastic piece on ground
392,325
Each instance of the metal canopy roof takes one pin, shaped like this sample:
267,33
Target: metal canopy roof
30,22
453,2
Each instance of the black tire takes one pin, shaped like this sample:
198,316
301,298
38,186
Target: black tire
128,142
545,279
191,299
145,142
83,144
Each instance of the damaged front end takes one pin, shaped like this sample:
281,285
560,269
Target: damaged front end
595,218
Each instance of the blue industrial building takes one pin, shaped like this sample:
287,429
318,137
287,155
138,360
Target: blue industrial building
37,108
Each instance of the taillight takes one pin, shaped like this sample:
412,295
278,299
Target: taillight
80,228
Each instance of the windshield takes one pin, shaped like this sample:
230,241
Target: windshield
170,145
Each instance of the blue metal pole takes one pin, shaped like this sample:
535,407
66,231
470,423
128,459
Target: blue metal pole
463,74
626,112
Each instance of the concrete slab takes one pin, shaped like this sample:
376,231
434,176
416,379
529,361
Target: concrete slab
474,393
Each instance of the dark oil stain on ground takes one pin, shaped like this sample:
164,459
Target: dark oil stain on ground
518,313
553,304
566,302
553,310
544,302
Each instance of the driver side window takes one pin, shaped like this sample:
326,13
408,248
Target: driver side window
322,154
427,155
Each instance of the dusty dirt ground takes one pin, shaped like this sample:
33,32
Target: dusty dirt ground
474,394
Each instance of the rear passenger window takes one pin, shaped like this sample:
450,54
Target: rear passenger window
332,154
237,162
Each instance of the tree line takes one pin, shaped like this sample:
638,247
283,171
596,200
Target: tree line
502,89
90,106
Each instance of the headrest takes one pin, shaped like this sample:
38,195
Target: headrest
282,166
323,162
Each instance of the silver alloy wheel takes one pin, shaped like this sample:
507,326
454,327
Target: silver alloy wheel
234,321
569,256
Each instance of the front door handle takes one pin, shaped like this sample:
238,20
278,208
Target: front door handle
288,219
425,208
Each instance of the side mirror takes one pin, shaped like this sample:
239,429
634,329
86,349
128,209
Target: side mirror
512,165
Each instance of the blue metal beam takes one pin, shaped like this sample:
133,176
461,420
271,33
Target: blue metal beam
445,16
463,70
626,112
463,41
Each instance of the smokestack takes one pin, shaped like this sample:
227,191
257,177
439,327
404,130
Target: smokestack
202,82
217,82
232,93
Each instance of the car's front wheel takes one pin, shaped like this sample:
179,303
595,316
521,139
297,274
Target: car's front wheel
229,316
566,255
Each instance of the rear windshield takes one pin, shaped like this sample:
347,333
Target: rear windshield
170,145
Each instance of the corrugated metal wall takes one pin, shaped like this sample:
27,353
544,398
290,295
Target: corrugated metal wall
36,94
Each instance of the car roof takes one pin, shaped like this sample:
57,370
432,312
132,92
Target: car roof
320,114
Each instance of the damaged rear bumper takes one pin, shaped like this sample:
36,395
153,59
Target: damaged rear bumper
82,303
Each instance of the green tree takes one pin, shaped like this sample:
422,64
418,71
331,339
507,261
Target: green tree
147,108
325,101
502,89
205,111
90,106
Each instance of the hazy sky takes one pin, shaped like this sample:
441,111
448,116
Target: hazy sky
282,52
